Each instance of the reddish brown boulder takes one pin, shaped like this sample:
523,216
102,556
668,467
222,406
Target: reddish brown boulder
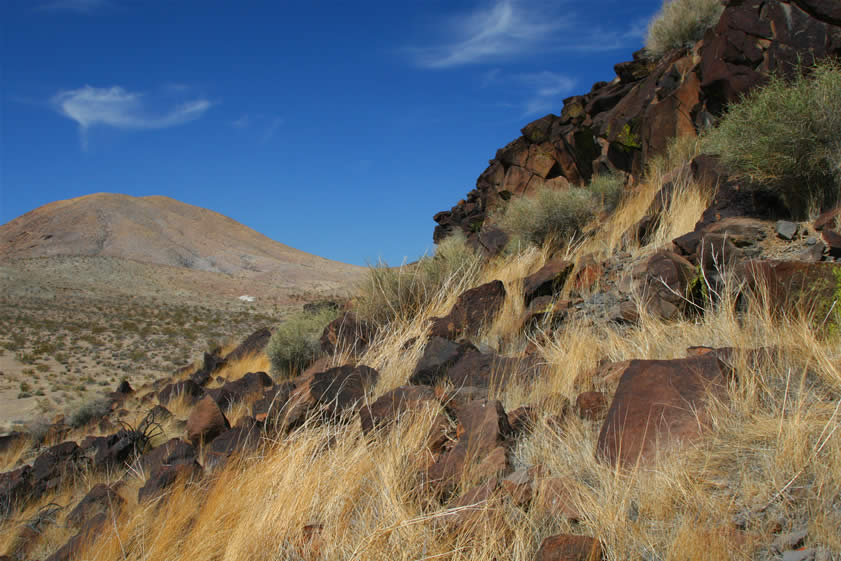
333,391
50,470
566,547
832,240
187,389
86,536
16,488
114,450
388,408
473,309
482,432
241,438
483,370
797,287
658,404
165,476
211,363
245,388
546,310
11,441
557,495
206,421
270,407
173,452
548,280
438,356
592,405
520,486
829,220
492,240
101,499
522,419
347,333
475,503
664,281
251,345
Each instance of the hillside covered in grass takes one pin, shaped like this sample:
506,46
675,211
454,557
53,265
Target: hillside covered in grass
626,346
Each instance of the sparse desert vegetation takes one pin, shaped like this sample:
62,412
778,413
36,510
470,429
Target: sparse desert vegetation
680,23
655,374
794,149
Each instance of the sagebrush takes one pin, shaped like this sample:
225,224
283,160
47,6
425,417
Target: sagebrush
556,216
89,410
794,145
295,343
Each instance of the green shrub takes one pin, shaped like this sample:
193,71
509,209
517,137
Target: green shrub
89,410
607,188
786,137
681,23
550,215
295,342
389,293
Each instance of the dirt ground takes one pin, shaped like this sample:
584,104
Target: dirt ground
73,328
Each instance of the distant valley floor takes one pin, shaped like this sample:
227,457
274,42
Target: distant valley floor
72,327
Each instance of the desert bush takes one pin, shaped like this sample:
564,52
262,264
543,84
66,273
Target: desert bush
295,342
607,188
680,23
89,410
793,146
548,215
388,293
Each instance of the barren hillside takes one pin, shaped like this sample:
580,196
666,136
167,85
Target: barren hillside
157,230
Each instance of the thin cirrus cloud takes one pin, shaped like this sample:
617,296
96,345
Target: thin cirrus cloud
268,124
506,29
119,108
541,92
501,29
547,90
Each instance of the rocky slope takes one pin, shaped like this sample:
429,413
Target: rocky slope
673,399
619,125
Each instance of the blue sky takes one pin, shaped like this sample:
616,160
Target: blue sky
338,128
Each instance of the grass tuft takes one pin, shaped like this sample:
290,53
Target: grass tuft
680,24
391,294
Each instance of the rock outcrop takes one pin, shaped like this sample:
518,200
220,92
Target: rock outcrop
620,124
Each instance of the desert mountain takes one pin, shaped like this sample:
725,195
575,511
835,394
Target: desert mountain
155,230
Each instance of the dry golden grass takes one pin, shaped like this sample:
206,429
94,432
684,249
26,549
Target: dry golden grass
773,456
771,460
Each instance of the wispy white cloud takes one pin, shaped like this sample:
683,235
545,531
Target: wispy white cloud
500,29
119,108
505,29
265,125
547,90
541,92
80,6
600,39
